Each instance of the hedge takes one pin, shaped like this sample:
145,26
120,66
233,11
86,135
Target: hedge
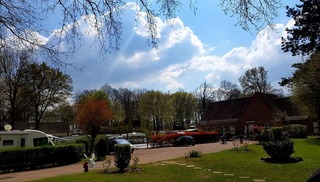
199,137
20,159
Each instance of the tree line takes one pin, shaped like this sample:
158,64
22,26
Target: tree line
36,92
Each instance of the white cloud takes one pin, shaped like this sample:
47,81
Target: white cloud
182,60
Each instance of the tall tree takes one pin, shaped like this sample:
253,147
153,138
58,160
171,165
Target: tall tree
93,112
153,109
66,114
13,71
204,94
23,21
117,109
305,85
48,87
227,91
304,37
183,106
256,80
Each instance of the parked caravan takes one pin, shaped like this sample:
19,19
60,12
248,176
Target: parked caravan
135,137
26,138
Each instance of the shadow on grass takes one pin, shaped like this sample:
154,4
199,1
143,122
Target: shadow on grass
285,161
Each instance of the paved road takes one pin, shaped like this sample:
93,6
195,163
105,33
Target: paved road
145,156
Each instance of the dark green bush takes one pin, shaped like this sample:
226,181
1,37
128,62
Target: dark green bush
122,156
279,151
264,137
19,159
101,149
296,130
275,134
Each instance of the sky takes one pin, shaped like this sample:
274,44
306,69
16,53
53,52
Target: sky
193,48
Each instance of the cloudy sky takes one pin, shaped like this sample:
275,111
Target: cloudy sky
192,49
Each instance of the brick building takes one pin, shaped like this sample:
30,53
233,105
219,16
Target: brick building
241,115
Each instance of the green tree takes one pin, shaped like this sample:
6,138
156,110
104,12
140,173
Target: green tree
256,80
184,108
154,110
48,87
305,85
304,37
65,113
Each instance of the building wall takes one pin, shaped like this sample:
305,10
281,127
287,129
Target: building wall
257,113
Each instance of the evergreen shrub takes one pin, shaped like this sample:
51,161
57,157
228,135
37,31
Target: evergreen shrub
122,156
279,151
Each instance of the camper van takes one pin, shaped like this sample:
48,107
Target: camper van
26,138
135,137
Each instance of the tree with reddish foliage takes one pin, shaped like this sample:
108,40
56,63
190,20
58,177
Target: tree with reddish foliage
92,112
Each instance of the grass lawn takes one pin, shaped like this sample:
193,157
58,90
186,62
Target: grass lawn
229,165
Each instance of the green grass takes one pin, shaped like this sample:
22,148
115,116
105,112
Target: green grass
238,163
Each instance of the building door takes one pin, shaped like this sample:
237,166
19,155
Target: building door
22,142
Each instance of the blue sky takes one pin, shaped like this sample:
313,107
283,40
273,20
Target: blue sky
192,49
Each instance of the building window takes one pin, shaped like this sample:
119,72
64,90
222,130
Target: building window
267,125
7,142
232,130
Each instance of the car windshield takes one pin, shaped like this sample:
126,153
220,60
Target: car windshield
122,141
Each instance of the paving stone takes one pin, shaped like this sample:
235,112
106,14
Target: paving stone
244,177
190,165
258,180
197,167
207,169
217,172
229,174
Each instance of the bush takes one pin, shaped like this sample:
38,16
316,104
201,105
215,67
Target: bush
193,154
122,156
279,151
296,130
199,137
275,134
101,149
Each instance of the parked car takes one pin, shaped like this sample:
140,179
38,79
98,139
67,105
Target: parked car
112,142
184,141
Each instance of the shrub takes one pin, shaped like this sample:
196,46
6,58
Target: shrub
275,134
106,163
101,149
264,137
296,130
122,156
193,154
279,151
244,147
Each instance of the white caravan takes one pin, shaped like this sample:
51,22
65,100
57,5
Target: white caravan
26,138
